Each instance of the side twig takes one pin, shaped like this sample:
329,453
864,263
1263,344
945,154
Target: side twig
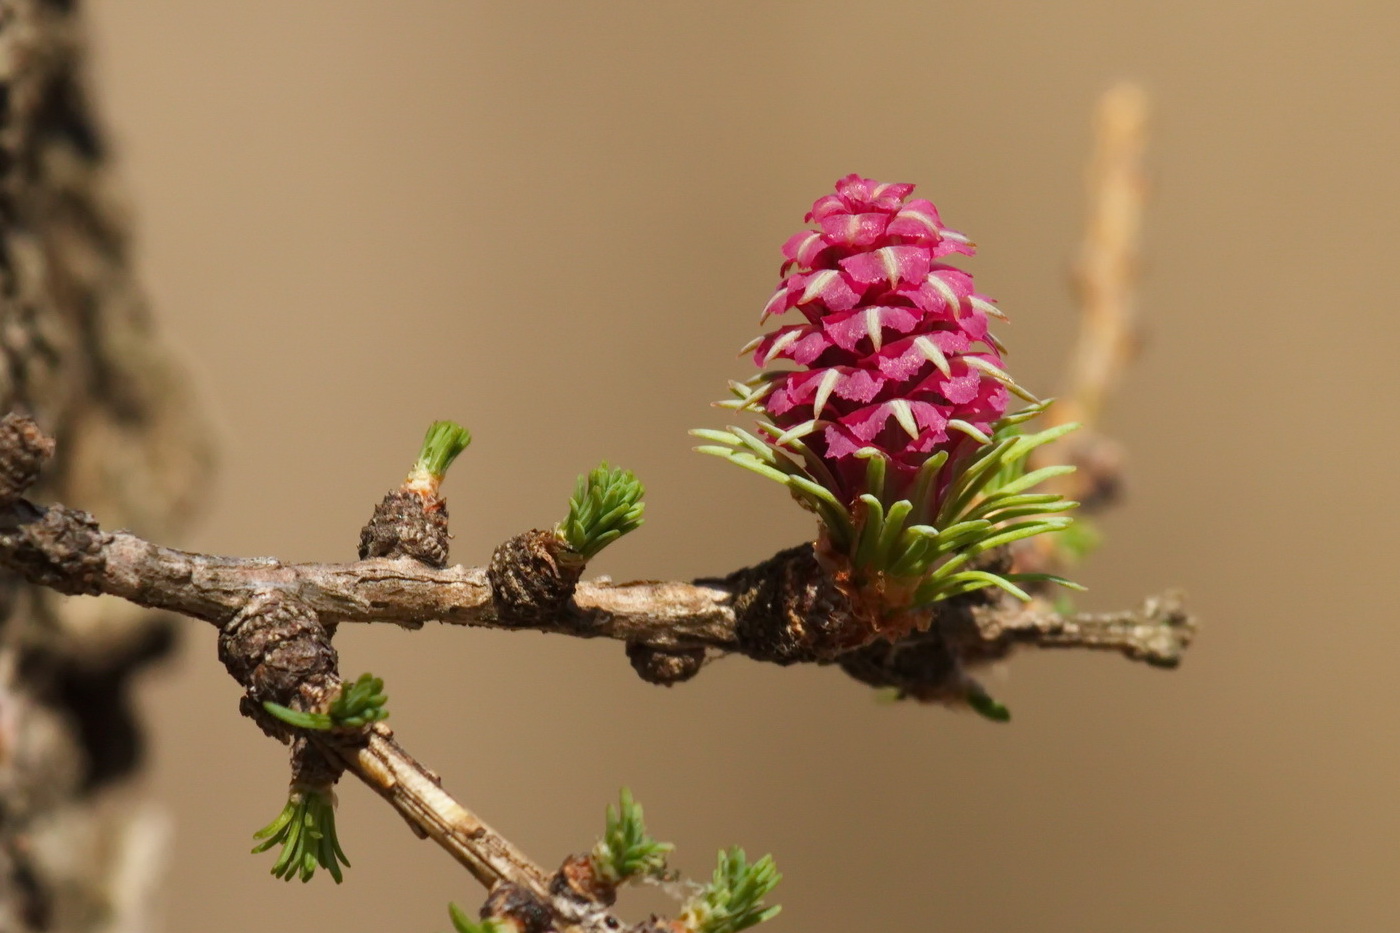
1105,279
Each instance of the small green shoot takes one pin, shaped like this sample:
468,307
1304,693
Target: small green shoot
441,445
607,504
305,829
986,707
626,851
358,705
733,900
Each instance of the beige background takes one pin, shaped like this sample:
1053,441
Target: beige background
556,222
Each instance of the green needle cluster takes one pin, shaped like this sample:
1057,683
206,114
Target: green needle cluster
931,530
607,504
733,900
988,505
626,851
441,445
358,705
305,829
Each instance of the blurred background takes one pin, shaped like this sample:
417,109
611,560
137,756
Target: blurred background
556,223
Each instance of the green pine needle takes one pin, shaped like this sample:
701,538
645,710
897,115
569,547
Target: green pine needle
985,504
626,851
358,705
986,707
463,923
318,722
607,504
305,829
441,445
733,900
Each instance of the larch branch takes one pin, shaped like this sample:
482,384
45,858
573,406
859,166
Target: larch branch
275,621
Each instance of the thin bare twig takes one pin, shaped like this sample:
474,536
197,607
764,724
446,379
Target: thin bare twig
1107,273
392,773
1106,278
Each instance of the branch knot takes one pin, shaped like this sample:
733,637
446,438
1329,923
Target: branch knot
406,524
24,449
510,901
665,666
60,548
278,651
530,584
788,610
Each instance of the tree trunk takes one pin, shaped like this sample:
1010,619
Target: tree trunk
78,351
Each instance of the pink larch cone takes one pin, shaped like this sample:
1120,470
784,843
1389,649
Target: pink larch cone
893,345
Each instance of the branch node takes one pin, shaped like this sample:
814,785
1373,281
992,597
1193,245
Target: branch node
312,767
530,583
920,666
278,651
407,523
578,882
789,610
664,666
60,548
24,449
512,902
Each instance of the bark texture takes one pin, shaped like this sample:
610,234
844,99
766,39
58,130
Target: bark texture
77,351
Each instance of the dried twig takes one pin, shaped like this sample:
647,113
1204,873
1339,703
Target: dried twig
1107,272
1105,279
